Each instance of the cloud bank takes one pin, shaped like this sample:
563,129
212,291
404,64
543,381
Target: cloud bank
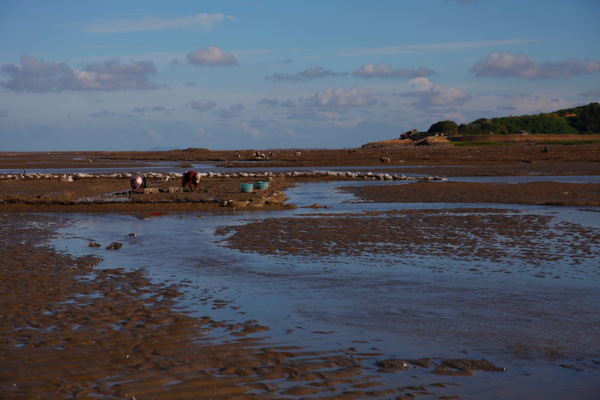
339,97
35,75
202,105
206,21
309,73
432,95
506,65
211,55
384,70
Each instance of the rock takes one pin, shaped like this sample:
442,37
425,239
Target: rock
463,363
257,203
114,246
237,203
392,363
276,197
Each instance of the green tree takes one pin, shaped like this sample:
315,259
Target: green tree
446,127
587,119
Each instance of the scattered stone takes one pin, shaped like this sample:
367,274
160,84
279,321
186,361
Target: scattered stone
94,244
573,367
392,363
114,246
236,203
467,364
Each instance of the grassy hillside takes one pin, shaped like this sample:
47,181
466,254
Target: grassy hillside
578,120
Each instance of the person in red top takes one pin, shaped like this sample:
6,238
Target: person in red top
191,178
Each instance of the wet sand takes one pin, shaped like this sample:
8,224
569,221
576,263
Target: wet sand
479,235
70,330
104,194
535,193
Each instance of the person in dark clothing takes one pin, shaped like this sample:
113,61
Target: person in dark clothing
192,179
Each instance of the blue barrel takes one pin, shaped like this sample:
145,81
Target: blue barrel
261,185
246,187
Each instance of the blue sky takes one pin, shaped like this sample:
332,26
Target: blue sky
264,74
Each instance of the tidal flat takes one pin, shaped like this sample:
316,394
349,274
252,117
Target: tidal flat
364,289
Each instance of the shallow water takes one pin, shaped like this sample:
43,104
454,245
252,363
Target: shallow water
397,306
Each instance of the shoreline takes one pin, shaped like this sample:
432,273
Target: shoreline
220,192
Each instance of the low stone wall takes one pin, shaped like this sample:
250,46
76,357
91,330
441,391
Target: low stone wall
261,175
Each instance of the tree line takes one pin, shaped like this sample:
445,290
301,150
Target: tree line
578,120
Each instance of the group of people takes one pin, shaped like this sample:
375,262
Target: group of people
190,178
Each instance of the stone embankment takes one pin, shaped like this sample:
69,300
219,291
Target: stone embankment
262,175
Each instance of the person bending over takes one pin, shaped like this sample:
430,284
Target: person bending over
192,179
137,182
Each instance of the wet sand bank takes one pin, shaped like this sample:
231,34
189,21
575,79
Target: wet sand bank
534,193
105,194
72,331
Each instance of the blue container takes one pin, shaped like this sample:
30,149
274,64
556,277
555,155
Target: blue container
261,185
246,187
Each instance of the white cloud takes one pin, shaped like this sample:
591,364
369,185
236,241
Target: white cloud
339,97
384,70
211,55
35,75
206,21
308,114
502,106
269,102
429,94
504,64
428,48
202,105
234,111
309,73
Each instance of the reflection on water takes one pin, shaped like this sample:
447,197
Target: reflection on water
410,307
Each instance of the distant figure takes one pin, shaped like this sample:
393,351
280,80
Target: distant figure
137,182
191,178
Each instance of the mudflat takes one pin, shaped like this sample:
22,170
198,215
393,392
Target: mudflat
20,191
72,331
